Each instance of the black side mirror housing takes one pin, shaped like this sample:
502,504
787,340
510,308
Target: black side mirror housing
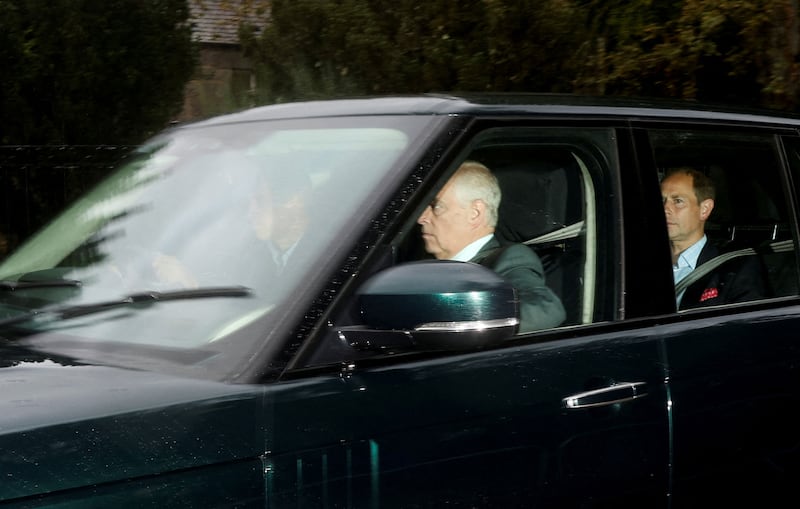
434,305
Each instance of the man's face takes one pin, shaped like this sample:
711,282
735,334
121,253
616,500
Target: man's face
685,216
445,224
261,215
291,221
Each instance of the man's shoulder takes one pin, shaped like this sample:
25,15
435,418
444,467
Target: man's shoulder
734,279
510,254
709,252
728,259
518,250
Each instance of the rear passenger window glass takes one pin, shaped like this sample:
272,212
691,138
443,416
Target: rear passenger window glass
749,229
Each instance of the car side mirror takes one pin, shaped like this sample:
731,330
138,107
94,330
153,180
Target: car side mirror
434,305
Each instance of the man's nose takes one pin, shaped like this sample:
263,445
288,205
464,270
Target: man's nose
423,218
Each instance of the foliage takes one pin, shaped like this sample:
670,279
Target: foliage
736,51
317,48
739,51
83,71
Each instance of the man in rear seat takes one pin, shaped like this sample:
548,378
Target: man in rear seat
688,198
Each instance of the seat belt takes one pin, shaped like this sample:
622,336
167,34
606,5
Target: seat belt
774,247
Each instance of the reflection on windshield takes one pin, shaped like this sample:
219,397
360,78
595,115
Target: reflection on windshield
250,205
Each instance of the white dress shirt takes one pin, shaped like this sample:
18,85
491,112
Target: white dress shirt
469,252
687,262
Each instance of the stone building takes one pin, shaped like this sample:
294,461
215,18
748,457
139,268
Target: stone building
224,80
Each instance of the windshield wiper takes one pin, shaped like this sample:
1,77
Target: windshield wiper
139,299
45,283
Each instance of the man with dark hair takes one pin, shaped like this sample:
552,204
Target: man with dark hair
688,197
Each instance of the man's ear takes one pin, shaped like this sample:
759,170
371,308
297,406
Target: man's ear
477,213
706,206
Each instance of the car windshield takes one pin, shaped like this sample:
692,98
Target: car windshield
191,255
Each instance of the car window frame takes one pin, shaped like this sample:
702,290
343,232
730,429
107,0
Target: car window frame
649,166
452,154
595,180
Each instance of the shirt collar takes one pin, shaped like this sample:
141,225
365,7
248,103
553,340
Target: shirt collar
687,261
688,258
469,252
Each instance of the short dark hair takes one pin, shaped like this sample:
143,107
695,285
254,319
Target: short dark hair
703,185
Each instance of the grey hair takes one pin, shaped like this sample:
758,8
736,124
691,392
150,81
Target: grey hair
474,181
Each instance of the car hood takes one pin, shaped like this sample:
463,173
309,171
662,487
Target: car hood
64,425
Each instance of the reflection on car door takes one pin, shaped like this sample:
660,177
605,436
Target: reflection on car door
547,420
732,380
487,429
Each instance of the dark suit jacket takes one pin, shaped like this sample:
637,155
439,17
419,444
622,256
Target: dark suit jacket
738,280
539,307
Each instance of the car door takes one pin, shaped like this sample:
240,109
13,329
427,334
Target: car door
733,369
574,416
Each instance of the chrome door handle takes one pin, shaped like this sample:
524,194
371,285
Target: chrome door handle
617,393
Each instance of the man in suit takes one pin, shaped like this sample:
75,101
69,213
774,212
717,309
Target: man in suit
459,225
688,197
277,218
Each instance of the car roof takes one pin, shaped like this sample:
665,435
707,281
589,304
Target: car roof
551,105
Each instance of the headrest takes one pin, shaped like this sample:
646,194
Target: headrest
541,192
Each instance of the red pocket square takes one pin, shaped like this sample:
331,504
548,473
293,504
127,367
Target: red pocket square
709,293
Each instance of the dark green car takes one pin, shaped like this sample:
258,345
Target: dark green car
156,352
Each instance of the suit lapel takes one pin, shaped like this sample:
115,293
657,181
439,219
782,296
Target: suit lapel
708,252
695,291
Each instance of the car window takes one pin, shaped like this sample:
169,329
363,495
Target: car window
749,226
553,183
549,204
184,257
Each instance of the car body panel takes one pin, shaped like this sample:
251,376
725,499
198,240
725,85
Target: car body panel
479,429
66,423
732,379
518,105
